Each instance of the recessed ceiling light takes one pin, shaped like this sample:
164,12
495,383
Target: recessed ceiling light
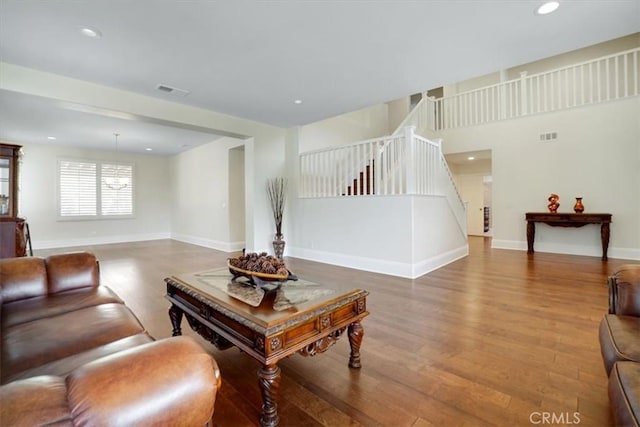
51,138
471,158
149,149
298,101
547,7
93,33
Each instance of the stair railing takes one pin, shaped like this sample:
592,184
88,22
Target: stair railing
331,171
396,164
602,79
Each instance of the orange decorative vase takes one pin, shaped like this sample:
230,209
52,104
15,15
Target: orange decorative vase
578,207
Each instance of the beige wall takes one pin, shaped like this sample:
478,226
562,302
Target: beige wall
264,144
577,56
38,199
372,122
471,189
596,156
236,195
398,111
200,199
547,64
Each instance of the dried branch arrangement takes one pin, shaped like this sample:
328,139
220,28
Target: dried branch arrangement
277,191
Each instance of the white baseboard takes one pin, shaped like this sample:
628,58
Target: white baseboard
508,244
624,253
556,248
431,264
393,268
97,240
209,243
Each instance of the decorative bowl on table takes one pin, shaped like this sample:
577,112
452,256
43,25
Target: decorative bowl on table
258,268
239,272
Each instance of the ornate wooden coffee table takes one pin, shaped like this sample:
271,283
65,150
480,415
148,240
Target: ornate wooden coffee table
268,324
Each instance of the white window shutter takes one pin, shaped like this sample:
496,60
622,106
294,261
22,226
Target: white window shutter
77,188
117,189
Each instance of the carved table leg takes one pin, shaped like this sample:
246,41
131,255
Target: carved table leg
175,314
604,235
356,332
269,380
531,234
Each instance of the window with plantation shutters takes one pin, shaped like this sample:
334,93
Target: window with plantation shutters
93,190
77,183
117,189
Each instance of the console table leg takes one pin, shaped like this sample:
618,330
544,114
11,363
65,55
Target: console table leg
356,332
531,234
175,314
269,381
604,235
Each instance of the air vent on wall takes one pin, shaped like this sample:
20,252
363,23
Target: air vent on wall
172,90
549,136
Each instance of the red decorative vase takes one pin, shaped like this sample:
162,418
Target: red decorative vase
578,207
553,203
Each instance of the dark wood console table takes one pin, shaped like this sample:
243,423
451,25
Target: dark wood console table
569,219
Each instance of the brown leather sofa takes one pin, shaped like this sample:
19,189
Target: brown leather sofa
74,354
620,345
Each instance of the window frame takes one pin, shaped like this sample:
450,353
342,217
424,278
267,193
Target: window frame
98,190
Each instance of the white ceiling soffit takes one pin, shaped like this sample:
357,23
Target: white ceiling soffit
26,118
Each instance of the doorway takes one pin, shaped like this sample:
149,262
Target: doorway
472,174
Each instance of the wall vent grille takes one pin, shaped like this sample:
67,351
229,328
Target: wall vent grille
548,136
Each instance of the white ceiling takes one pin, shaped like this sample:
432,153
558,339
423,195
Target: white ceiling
252,59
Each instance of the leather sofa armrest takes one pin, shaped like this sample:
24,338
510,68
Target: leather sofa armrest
624,291
168,382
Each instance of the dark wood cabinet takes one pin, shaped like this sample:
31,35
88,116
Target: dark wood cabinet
12,228
12,237
9,170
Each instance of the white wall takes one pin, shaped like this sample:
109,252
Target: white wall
574,57
200,195
236,195
471,189
469,178
372,122
437,237
264,144
38,203
400,235
596,156
398,111
268,162
580,55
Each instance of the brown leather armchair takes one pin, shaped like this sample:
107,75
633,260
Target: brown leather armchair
620,345
72,353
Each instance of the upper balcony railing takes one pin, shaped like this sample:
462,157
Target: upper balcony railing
603,79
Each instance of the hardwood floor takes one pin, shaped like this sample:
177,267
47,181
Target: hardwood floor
497,338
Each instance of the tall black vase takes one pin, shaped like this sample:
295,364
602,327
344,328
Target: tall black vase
278,246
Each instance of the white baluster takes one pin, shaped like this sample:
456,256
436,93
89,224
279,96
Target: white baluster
523,93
